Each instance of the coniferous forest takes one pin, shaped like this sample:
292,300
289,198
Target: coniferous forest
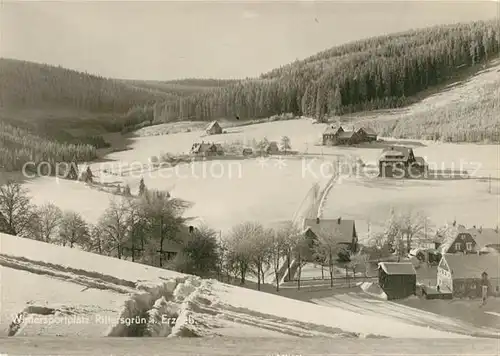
376,73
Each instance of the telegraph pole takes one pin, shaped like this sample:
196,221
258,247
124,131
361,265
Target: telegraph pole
489,177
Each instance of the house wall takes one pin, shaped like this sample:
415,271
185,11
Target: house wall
328,139
444,280
471,287
459,245
392,169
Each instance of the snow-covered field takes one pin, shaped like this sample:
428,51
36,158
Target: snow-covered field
369,201
89,287
236,191
373,306
227,192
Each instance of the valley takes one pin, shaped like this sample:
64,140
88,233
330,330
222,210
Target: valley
259,215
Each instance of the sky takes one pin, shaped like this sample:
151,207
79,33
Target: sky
163,40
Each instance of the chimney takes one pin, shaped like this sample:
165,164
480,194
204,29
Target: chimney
338,221
474,226
317,220
455,223
480,229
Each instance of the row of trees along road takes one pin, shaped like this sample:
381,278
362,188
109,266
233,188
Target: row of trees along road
139,228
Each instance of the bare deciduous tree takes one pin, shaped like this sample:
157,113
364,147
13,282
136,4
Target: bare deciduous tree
95,243
240,248
278,250
404,227
260,250
327,248
289,231
162,217
286,144
302,253
45,222
16,208
356,260
73,230
114,225
201,252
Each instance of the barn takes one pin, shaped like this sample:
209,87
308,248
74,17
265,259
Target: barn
214,128
369,134
397,279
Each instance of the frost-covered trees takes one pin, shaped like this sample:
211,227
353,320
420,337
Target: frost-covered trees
73,230
15,207
326,249
114,226
161,219
200,252
44,223
240,248
286,144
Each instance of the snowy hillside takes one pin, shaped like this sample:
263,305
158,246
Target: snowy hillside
83,294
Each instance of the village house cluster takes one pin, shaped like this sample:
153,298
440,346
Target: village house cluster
393,162
338,136
467,266
211,149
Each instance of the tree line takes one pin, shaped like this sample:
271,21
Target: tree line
18,147
32,85
376,73
143,228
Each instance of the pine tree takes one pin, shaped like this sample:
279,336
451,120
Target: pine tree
142,187
126,191
89,177
73,172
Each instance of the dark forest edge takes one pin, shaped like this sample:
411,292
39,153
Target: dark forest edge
56,114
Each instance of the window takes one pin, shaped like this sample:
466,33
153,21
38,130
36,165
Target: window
458,246
497,288
473,286
469,246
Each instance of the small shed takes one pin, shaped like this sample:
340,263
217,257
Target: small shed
369,134
214,128
397,279
272,148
